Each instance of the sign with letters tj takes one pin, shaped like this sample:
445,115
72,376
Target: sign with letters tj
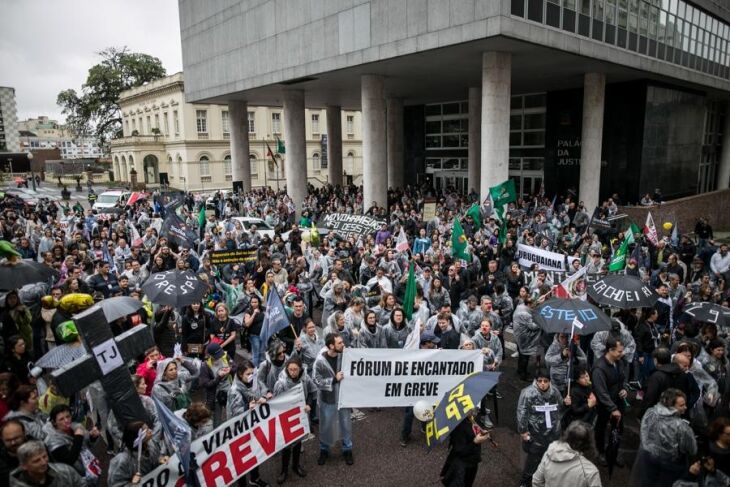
108,357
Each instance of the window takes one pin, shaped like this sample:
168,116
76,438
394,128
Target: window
201,120
149,125
447,127
315,123
167,123
225,123
157,121
176,122
251,122
126,127
204,166
350,126
527,121
227,166
134,124
316,163
276,123
254,165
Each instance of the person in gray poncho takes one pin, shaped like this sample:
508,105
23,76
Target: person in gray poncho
336,324
35,469
539,411
311,345
334,423
173,382
276,357
558,357
123,468
667,442
292,375
371,333
527,334
396,331
618,330
490,345
246,393
24,408
115,429
65,440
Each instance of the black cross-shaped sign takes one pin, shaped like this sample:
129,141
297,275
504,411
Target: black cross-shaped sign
105,360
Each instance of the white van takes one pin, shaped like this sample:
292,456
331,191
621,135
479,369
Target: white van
109,199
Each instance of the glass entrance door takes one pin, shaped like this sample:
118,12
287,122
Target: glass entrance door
527,173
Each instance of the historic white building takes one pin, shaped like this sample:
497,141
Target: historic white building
188,145
45,133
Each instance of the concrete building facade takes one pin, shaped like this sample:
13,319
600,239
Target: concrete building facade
45,133
595,96
9,136
192,146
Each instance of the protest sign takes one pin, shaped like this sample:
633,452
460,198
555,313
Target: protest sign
345,224
221,257
546,260
240,444
556,277
394,378
429,209
176,230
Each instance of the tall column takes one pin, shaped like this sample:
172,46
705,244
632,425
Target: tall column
240,163
594,93
374,161
334,145
496,90
475,138
296,147
394,109
723,172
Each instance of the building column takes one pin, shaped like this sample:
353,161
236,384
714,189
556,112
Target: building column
475,138
394,110
374,161
594,93
496,91
238,125
723,172
334,145
296,147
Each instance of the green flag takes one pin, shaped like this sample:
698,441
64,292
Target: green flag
459,242
410,296
633,230
618,261
475,215
503,194
201,216
503,231
280,146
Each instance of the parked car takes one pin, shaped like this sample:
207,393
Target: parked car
109,199
262,228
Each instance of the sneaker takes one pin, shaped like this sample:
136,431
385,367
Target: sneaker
404,441
299,470
283,475
258,483
322,457
348,457
310,436
357,415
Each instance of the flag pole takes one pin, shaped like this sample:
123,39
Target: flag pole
570,356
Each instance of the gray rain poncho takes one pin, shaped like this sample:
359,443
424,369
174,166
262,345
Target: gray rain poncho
526,331
240,395
168,390
559,365
491,342
369,339
534,421
666,436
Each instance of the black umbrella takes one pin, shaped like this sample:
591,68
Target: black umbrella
175,288
118,307
557,316
14,275
623,291
708,313
614,442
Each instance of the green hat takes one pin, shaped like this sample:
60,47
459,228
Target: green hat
67,331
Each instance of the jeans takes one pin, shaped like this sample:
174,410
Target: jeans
646,368
255,342
408,416
328,413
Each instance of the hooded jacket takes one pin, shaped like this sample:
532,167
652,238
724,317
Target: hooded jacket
240,395
269,370
395,337
284,383
124,465
167,390
665,436
492,342
598,343
310,347
34,425
58,475
347,334
607,383
328,389
530,420
661,379
371,339
559,365
526,331
66,447
563,466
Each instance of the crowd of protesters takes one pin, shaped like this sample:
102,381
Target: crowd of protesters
348,291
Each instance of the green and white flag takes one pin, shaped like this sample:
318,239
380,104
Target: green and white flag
503,194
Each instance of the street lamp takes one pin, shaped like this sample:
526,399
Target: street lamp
30,163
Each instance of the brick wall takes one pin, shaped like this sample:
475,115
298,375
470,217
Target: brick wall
714,206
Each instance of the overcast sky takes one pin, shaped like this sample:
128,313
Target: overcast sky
47,46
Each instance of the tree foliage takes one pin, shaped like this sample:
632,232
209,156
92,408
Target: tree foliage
96,110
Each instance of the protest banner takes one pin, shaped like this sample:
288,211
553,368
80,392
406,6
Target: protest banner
395,378
240,444
345,224
221,257
546,260
429,209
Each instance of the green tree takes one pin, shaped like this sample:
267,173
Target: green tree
96,110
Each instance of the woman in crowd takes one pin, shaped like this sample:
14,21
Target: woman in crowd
23,406
66,439
253,319
173,382
223,330
216,375
195,326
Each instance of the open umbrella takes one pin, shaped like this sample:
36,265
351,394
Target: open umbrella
558,315
118,307
456,403
623,291
16,274
708,313
175,288
61,355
